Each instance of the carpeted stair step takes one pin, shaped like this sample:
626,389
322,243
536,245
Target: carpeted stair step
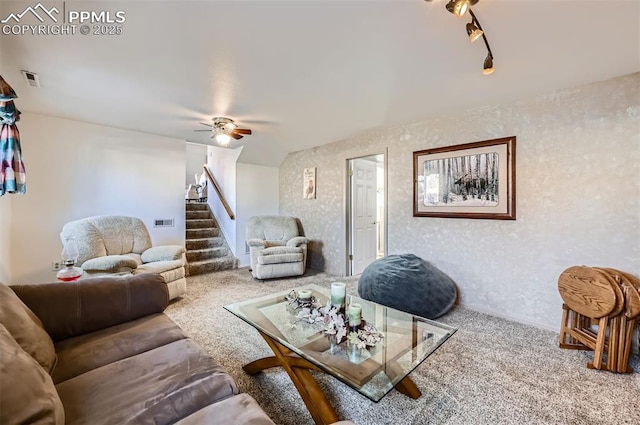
206,254
207,250
214,265
201,223
204,243
209,232
190,206
199,214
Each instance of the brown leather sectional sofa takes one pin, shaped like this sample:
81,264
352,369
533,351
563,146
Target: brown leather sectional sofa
101,351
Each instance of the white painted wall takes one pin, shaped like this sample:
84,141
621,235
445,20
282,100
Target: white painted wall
258,194
222,163
578,197
76,170
196,157
5,237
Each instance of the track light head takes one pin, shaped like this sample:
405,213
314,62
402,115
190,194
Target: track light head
488,65
458,7
473,32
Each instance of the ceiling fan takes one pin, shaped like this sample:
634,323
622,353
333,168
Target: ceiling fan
224,129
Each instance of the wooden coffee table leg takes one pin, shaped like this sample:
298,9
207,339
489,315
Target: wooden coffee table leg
259,365
406,386
298,370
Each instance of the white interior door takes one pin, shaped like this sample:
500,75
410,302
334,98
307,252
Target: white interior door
364,238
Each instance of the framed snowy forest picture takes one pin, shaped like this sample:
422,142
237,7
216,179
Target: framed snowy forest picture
472,180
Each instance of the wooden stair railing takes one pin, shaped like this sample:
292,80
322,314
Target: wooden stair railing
215,185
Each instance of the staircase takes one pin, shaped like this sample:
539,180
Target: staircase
207,250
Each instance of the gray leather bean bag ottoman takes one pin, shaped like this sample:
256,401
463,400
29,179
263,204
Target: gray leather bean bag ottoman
408,283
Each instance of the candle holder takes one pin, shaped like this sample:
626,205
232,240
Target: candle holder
304,295
338,294
354,313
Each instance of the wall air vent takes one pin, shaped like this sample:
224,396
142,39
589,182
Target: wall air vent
32,78
163,222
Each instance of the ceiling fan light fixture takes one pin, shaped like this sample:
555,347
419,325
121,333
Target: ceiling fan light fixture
488,65
222,139
458,7
473,32
224,129
229,126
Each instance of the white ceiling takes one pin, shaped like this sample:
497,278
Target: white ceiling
305,73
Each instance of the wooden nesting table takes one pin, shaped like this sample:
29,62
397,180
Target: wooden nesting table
300,347
600,311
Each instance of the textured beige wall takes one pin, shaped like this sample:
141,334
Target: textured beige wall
578,197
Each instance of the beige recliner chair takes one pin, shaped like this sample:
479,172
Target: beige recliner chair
122,245
276,247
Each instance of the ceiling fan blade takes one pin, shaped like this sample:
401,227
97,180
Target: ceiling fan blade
202,130
207,124
242,131
236,136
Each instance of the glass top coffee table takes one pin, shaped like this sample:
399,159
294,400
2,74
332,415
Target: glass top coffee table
300,346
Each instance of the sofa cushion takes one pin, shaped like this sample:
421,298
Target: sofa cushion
136,257
160,267
110,264
240,409
75,308
176,287
121,234
88,239
270,244
272,228
277,250
160,386
172,275
90,351
162,253
270,271
26,328
297,241
28,393
280,258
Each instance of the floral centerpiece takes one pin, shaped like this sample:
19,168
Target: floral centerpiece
333,320
368,336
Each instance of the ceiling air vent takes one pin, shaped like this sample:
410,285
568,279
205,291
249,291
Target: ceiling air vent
31,78
163,222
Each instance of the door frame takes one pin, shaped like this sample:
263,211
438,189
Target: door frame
348,204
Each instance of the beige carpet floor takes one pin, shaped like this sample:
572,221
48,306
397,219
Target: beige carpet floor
492,371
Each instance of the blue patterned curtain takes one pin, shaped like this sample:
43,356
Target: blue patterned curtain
12,174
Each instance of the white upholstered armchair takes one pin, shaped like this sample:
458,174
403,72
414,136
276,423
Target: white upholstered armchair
276,247
121,245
